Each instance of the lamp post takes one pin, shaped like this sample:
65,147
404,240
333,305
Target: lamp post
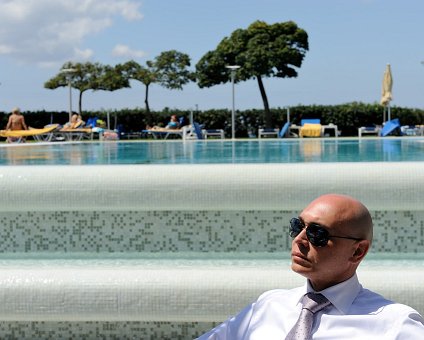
233,69
68,72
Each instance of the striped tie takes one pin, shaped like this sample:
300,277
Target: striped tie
312,303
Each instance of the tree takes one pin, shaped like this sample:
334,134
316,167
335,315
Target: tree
145,75
169,69
172,69
261,50
88,76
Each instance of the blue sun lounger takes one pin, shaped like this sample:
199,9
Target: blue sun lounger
200,133
390,127
275,132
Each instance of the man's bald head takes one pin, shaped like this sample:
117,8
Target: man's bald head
350,214
349,226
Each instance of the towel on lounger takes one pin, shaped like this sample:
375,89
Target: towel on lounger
310,130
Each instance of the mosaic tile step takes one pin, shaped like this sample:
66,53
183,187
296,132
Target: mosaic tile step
170,291
110,330
139,232
380,186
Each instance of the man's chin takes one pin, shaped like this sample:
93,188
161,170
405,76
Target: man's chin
300,269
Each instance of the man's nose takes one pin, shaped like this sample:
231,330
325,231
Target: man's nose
301,237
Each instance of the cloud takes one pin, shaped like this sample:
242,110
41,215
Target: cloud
83,54
46,32
124,51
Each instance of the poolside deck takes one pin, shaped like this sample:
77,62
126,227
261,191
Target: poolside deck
146,253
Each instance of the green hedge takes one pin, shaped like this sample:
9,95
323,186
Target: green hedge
348,117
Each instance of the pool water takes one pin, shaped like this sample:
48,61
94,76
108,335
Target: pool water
213,152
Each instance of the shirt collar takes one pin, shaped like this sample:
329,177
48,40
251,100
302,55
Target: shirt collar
340,295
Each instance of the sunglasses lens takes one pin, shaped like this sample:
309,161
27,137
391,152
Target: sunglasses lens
317,235
296,227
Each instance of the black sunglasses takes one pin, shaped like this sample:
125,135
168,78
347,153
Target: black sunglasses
317,235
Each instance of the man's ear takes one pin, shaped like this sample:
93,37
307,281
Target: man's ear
360,250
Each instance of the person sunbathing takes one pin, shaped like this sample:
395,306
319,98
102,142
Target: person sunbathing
172,125
16,122
75,122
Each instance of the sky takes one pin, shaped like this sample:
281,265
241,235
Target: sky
350,43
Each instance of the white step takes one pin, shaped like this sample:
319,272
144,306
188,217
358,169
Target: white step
168,290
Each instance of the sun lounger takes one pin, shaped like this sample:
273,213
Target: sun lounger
186,132
91,122
392,126
193,131
313,128
48,136
268,132
411,130
17,136
198,132
325,128
275,132
162,133
213,133
74,134
310,128
369,130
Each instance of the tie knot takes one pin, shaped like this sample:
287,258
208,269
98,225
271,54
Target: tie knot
314,302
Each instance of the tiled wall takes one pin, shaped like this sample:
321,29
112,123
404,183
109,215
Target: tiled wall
186,231
103,330
55,210
138,232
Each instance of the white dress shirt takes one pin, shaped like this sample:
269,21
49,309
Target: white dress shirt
355,313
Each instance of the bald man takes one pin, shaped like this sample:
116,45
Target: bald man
331,237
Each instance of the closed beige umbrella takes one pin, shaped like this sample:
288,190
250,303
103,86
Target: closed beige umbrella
386,93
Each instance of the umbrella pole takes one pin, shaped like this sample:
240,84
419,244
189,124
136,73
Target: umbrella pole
388,111
384,114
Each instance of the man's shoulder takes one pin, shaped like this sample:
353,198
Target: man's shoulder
369,295
378,304
281,294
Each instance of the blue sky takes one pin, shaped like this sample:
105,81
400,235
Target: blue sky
350,43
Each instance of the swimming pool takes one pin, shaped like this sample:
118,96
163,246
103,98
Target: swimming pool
217,152
141,250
